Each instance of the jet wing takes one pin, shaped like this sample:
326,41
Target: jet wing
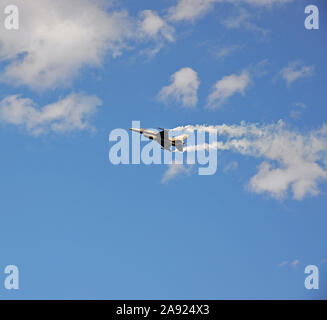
164,134
164,139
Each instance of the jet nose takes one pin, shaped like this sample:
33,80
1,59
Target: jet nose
136,130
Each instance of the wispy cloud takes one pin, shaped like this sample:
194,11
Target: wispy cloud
282,264
183,88
174,171
222,52
227,87
243,20
293,161
293,263
296,112
236,21
231,166
300,105
69,114
191,10
296,70
267,2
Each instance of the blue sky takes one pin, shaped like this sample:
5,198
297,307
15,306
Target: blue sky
79,227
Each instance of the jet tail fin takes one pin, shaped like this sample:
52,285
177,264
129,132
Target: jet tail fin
179,142
179,145
181,138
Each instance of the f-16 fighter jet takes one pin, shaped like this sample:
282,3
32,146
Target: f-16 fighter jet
163,139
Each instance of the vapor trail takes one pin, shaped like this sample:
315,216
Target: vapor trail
292,159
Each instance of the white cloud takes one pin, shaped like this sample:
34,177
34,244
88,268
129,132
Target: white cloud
174,171
57,38
293,161
296,70
298,162
153,25
190,9
69,114
183,88
227,87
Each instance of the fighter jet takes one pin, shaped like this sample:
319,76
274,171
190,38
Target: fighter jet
163,139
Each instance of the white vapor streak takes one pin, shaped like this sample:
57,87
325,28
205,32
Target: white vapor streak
292,160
